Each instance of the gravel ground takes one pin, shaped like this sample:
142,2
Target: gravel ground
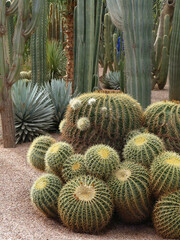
20,221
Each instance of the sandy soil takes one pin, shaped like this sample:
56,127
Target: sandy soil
20,221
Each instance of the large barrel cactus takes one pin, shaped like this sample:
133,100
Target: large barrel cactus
163,119
101,118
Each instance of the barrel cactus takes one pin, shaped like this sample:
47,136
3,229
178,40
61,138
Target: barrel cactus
45,192
165,173
134,133
166,217
131,192
73,166
101,161
162,119
56,155
37,151
101,117
143,148
85,204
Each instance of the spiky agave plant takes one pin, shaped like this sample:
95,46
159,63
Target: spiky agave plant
56,60
114,80
33,111
60,96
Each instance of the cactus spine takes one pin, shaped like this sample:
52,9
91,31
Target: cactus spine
85,204
9,72
87,35
174,58
138,45
38,48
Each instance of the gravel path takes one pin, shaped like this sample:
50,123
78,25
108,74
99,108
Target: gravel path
20,221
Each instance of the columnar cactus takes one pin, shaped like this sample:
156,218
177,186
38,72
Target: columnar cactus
131,191
166,217
101,118
162,119
45,192
165,173
85,204
143,148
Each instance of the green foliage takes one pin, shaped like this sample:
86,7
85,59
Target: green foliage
56,156
44,194
114,80
143,148
73,166
85,204
101,161
162,119
33,111
56,60
37,151
111,117
131,191
60,96
166,217
165,173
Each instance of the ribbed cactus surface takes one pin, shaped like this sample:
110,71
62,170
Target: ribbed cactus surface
166,216
162,119
56,155
143,148
101,161
85,204
73,166
111,116
131,192
37,151
165,173
45,192
134,133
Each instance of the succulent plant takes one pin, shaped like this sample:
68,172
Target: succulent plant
131,191
73,166
83,124
45,192
162,119
101,161
85,204
33,111
62,125
56,156
134,133
37,151
111,117
165,173
60,95
26,75
113,80
143,148
166,217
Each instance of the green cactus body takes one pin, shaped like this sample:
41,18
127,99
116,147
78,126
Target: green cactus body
62,125
134,133
85,204
101,161
166,216
111,117
37,151
143,148
74,166
56,155
45,192
130,187
165,173
162,119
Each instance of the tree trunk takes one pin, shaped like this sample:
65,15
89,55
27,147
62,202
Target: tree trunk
7,120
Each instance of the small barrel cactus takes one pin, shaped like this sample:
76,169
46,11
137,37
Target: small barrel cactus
45,192
134,133
166,216
62,125
56,156
73,166
131,191
99,117
85,204
162,119
37,151
101,161
143,148
165,173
